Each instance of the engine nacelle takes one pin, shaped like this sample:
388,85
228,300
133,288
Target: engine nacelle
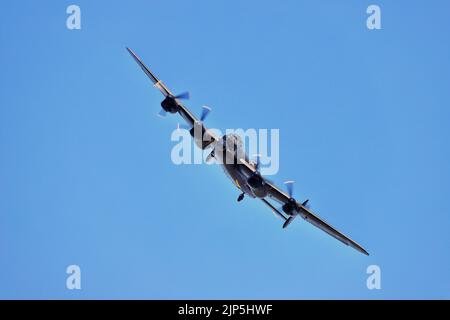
259,188
169,104
290,207
255,181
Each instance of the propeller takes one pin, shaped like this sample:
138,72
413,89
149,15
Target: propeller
205,111
306,204
182,96
162,113
291,207
290,187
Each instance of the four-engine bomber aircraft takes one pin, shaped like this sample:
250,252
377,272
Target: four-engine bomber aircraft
241,170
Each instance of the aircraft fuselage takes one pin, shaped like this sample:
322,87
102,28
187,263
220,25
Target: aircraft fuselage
229,152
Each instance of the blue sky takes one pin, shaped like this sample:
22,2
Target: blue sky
85,170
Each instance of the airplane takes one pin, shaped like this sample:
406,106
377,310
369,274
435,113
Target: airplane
228,151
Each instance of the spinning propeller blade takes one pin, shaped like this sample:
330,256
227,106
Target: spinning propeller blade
205,111
181,96
290,187
162,113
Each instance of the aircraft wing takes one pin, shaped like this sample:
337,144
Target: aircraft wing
282,197
183,111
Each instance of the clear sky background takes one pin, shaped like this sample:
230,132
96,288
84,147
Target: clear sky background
85,170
